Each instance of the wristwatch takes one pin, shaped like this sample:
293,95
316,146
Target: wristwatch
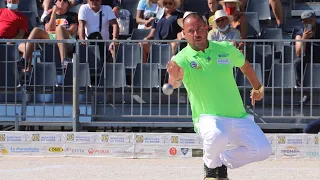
260,90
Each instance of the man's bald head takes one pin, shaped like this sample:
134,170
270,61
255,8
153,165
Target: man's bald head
193,16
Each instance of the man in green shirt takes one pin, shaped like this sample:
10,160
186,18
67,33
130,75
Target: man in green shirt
206,70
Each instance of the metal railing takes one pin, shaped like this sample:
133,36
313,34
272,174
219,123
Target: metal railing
98,89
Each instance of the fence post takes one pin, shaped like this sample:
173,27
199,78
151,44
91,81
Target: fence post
75,92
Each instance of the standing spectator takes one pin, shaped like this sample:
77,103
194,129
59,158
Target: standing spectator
59,25
89,22
311,30
146,12
166,28
276,7
222,29
13,24
209,16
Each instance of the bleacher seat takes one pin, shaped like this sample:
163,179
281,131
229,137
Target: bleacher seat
139,34
315,70
129,54
200,6
90,54
50,53
113,76
8,53
242,81
131,6
161,54
273,33
283,75
44,75
32,20
260,6
84,75
253,24
262,55
146,76
29,5
289,54
9,77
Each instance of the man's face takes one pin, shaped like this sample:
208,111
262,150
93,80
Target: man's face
222,22
311,21
62,4
168,5
94,4
195,31
13,1
213,5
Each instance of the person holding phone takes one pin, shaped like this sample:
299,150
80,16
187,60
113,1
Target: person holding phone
310,30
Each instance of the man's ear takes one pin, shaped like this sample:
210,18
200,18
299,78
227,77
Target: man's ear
182,33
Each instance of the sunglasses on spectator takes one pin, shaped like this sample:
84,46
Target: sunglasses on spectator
168,3
220,20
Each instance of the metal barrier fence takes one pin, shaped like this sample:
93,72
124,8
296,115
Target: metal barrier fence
96,88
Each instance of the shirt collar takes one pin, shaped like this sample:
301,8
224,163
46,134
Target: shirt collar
193,52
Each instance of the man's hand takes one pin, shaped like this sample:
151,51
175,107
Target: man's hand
256,96
116,11
175,71
307,34
149,22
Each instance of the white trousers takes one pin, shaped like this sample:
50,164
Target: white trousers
218,132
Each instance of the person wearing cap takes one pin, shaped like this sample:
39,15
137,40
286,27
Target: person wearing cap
59,24
166,28
232,8
276,7
13,24
222,29
310,30
206,70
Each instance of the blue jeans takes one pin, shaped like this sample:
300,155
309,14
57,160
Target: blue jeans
313,127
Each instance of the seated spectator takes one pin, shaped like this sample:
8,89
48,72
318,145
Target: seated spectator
232,8
89,23
47,4
59,25
276,7
209,16
13,24
165,28
311,30
222,29
146,12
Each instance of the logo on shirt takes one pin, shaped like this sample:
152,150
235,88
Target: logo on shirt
223,61
195,65
223,55
62,22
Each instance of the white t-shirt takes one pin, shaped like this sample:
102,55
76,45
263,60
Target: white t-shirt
92,19
216,35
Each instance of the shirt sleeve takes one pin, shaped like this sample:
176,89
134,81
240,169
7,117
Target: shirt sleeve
142,5
236,57
299,32
73,18
82,13
110,14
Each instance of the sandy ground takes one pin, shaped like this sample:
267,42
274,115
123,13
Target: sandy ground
73,168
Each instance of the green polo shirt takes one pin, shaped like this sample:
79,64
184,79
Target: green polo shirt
209,80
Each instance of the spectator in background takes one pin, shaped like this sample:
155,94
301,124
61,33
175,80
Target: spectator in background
276,7
165,28
232,8
59,24
311,30
313,127
209,16
146,12
46,4
89,22
222,29
13,24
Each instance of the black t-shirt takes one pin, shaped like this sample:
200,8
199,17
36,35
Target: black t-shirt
65,19
316,45
167,29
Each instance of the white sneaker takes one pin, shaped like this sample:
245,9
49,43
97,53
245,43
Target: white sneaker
45,14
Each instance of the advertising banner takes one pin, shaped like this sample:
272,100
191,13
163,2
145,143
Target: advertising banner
14,137
151,139
31,149
116,138
47,137
151,151
185,139
82,137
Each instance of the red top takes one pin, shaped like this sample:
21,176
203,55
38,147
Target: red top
11,22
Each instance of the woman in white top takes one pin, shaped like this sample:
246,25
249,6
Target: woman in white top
146,12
